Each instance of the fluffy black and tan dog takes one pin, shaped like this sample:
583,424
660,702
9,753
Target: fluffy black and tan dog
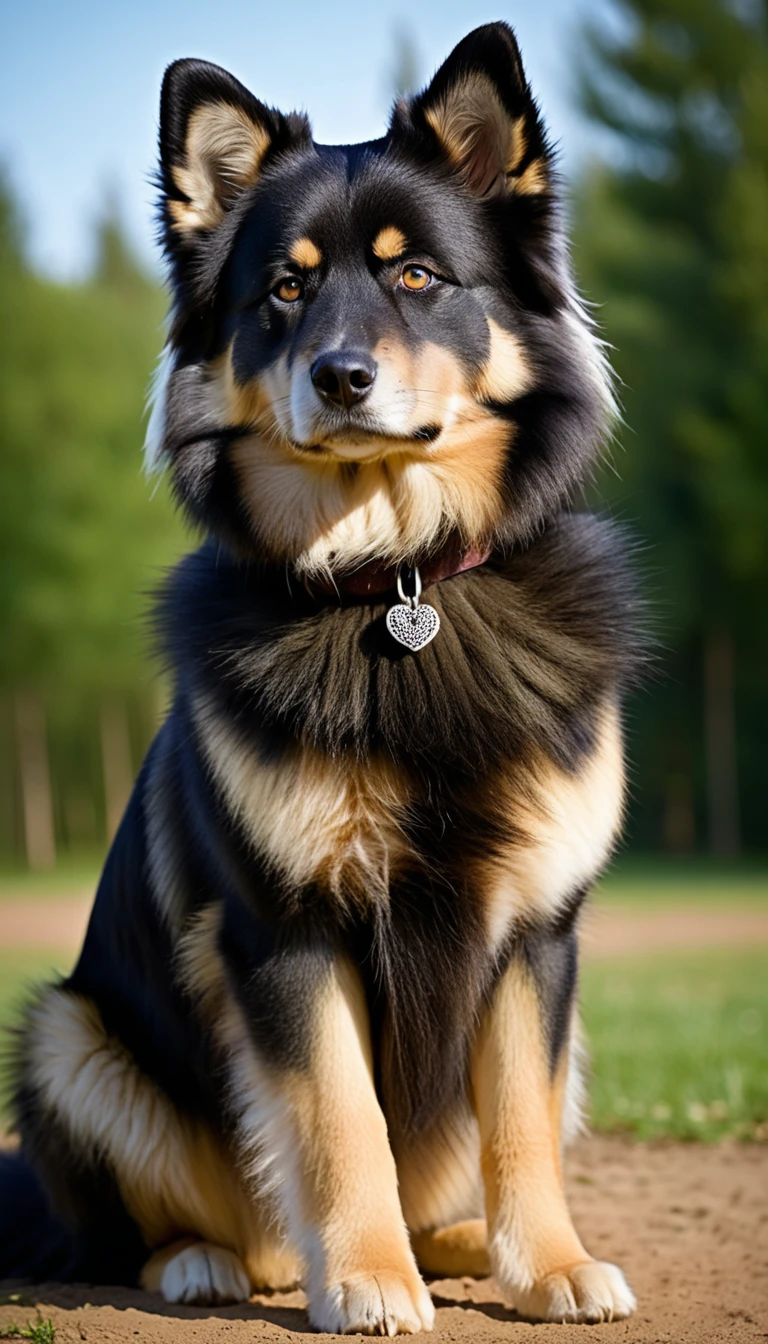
324,1018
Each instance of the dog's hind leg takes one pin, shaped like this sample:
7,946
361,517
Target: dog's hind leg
189,1270
453,1251
196,1271
442,1196
172,1174
520,1073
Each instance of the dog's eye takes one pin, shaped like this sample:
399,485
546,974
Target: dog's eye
289,290
415,277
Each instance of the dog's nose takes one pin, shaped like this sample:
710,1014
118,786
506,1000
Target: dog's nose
343,377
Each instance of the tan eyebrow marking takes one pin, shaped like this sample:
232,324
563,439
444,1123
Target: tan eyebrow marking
305,253
389,243
532,181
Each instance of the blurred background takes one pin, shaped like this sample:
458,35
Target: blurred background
660,112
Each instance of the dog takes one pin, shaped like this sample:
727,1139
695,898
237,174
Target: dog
323,1028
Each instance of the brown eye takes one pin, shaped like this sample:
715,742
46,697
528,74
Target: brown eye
290,289
415,277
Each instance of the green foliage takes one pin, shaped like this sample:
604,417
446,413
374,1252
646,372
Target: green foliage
678,1045
673,242
81,535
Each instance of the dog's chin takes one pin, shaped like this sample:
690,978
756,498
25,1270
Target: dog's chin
359,445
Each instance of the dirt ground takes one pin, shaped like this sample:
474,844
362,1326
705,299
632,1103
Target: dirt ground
688,1224
60,923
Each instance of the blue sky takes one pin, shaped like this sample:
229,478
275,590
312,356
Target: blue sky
79,86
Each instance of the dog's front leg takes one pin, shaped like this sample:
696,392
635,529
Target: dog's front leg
519,1072
313,1116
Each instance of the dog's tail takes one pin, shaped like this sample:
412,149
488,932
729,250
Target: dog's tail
34,1243
103,1244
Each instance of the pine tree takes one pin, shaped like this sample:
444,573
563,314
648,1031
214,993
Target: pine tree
673,240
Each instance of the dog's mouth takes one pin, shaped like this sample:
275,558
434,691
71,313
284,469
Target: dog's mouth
357,442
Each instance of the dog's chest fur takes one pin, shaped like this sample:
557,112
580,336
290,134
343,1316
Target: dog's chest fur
424,810
336,824
491,759
349,828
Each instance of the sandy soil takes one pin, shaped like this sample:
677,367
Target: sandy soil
60,923
609,933
688,1224
50,922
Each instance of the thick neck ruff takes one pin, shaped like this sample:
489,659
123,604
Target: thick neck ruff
529,646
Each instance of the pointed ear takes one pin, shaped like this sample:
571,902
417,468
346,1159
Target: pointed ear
479,113
214,140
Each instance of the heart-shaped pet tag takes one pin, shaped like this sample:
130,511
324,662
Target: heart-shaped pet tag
413,627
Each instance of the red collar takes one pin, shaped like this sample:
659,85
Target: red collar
375,577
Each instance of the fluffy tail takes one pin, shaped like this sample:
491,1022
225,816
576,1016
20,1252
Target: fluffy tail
34,1244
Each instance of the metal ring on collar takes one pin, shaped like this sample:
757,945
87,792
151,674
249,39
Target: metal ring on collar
412,599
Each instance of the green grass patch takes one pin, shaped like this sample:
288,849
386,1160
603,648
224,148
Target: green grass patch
40,1331
662,882
679,1045
71,876
20,970
634,880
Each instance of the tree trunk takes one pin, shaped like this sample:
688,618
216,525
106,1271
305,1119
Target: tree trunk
722,767
679,814
35,776
116,762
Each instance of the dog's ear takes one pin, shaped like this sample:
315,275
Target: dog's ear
215,138
479,113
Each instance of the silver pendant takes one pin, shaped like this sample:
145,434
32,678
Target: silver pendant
410,623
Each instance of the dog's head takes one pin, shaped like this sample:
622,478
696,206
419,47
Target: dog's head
372,347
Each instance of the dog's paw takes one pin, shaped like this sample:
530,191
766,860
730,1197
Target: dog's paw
590,1291
381,1302
204,1274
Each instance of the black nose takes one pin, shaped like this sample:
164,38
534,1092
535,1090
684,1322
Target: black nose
343,377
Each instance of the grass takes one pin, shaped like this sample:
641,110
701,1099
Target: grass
71,876
19,970
679,1042
40,1331
633,880
679,1045
656,882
